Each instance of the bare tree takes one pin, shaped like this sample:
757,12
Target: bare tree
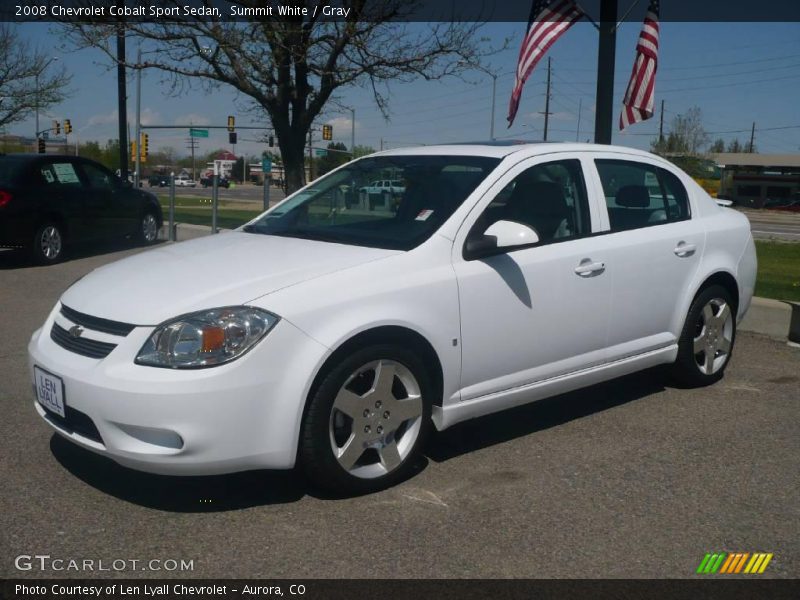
24,79
686,136
291,67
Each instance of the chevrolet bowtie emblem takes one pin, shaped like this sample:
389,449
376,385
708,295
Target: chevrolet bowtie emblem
76,331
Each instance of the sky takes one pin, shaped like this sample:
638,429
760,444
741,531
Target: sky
736,73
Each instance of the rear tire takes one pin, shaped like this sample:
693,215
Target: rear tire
48,244
707,339
367,421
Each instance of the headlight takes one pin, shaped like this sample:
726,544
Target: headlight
206,338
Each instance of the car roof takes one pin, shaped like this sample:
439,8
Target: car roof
502,149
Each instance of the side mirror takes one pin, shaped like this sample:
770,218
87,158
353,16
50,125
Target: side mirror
500,237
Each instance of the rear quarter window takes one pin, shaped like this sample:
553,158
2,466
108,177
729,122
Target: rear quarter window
12,169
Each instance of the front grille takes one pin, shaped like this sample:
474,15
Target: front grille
80,345
96,323
75,422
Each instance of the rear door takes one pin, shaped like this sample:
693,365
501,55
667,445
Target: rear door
117,205
654,246
60,192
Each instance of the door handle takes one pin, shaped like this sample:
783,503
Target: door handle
587,268
683,249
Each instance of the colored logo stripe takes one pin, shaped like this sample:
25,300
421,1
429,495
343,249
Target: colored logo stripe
734,562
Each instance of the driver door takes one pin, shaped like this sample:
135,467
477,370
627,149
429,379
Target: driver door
536,312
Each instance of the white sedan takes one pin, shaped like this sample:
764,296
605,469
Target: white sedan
508,273
185,181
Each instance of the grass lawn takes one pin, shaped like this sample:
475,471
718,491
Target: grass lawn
778,270
197,211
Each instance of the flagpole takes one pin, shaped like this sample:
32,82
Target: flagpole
606,55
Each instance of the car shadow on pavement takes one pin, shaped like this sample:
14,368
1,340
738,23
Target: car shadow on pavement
543,414
21,259
264,487
217,493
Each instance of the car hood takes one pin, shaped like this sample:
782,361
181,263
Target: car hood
218,270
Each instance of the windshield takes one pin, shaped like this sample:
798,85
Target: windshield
394,202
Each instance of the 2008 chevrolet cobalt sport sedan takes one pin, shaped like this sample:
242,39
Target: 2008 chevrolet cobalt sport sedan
336,330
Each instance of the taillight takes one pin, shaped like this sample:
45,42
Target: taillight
5,198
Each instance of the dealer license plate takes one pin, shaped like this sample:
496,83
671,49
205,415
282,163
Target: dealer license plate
49,391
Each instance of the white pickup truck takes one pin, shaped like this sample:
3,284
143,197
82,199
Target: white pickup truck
384,186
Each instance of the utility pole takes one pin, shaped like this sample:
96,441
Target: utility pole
310,158
547,99
661,125
752,136
137,173
122,99
606,55
578,130
353,132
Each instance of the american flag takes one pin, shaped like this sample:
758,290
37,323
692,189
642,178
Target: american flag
638,103
546,24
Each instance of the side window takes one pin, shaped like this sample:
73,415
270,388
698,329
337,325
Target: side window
677,198
641,195
98,178
58,174
550,198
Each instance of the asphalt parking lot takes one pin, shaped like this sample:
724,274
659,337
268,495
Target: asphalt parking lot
632,478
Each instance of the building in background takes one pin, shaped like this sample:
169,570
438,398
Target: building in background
756,180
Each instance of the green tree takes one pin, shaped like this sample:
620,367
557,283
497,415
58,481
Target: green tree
359,151
332,159
718,146
687,134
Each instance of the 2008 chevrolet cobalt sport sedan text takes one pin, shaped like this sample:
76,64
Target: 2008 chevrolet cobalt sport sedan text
336,329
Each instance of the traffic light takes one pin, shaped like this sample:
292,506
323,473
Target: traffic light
271,141
231,122
232,137
67,127
42,145
133,150
327,132
145,147
56,127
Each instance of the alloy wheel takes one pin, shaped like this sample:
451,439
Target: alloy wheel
376,419
50,242
713,336
149,228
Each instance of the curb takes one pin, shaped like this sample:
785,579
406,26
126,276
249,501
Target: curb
773,318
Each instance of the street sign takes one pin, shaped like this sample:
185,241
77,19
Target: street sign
321,152
198,133
266,165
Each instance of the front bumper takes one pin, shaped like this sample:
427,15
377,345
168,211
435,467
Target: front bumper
238,416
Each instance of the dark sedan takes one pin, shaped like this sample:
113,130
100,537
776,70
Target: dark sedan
49,202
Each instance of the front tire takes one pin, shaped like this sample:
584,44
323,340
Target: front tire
707,339
367,421
148,228
48,244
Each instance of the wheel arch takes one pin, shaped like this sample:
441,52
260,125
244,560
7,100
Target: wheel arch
51,216
386,334
721,278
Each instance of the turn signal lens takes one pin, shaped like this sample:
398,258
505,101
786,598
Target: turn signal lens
213,338
5,198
